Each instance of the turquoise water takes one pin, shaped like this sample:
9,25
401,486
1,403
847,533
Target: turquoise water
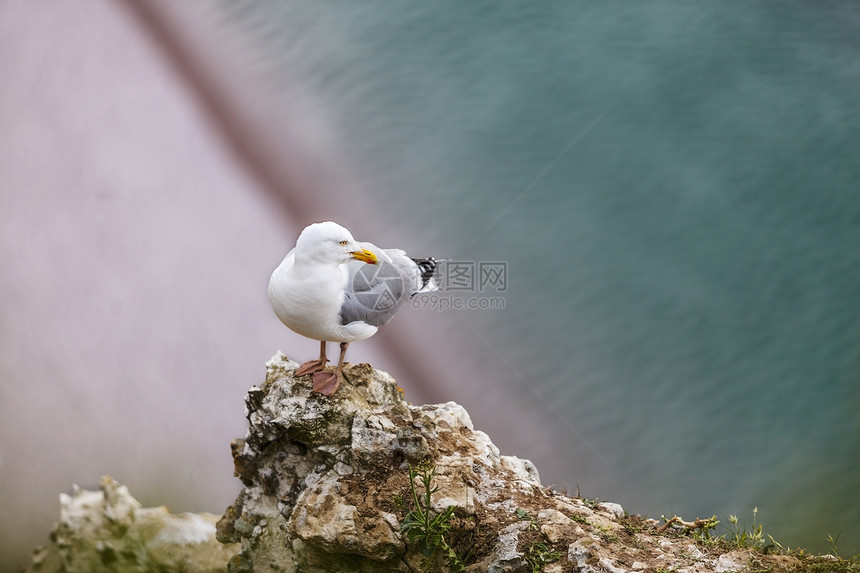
674,187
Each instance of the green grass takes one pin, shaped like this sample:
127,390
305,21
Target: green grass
738,536
424,530
539,556
742,538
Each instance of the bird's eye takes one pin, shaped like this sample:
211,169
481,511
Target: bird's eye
343,243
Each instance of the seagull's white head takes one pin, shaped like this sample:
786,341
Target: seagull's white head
330,243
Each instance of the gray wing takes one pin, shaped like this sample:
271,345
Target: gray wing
375,293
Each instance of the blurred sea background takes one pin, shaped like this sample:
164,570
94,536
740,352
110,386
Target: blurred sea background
673,188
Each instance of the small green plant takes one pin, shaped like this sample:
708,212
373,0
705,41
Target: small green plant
608,537
834,550
591,502
422,528
850,563
741,537
539,555
524,515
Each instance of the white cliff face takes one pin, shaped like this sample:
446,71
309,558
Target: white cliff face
108,530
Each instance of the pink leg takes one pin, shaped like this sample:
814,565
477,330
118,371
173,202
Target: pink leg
313,365
327,383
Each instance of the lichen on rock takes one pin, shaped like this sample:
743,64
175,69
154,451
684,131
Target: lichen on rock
325,479
322,473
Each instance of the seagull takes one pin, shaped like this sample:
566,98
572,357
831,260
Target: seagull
332,288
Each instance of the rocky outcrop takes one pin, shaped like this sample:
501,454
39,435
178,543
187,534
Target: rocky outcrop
327,488
108,530
364,482
322,475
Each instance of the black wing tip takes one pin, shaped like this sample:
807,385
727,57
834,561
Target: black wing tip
427,267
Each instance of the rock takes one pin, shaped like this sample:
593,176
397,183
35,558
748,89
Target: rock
109,530
323,477
731,562
323,473
506,557
327,489
554,524
613,509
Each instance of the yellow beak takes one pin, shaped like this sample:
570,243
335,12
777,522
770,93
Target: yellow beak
365,256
